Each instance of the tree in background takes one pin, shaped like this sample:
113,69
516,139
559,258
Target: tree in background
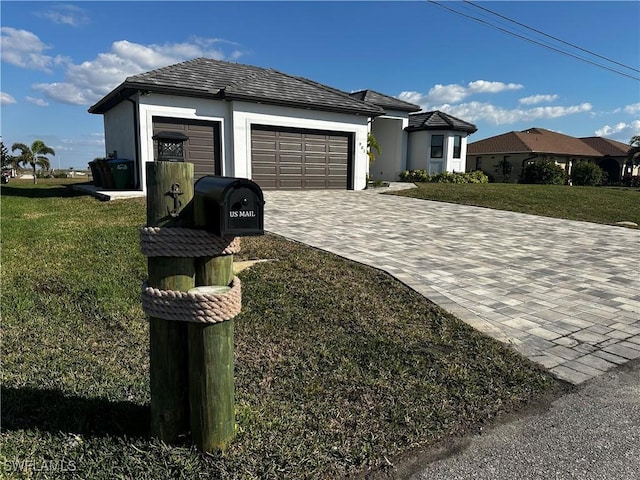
34,156
504,169
5,159
634,152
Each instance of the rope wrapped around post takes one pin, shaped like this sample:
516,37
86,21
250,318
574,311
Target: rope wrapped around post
184,306
185,242
192,307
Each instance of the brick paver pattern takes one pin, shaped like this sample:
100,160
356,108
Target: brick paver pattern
563,293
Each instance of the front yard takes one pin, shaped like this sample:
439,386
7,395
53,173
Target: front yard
339,368
590,204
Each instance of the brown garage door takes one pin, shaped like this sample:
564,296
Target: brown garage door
287,158
203,146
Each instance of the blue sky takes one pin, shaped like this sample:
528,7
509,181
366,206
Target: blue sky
59,58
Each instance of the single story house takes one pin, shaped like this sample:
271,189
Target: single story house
521,148
282,131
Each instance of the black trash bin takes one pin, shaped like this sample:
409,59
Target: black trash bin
95,173
122,172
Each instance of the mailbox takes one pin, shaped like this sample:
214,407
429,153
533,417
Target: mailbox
228,207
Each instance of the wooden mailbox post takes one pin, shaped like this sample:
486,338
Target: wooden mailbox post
192,387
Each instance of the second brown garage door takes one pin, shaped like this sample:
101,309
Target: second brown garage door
293,159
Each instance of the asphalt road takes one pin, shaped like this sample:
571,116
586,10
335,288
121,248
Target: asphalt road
592,433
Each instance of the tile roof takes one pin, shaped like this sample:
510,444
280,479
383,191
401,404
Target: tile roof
385,101
533,140
208,78
606,146
437,120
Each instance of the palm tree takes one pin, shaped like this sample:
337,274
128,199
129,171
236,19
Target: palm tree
34,156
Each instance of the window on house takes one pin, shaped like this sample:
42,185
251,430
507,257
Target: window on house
437,143
478,163
457,146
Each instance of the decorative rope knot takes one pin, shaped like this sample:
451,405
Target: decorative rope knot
185,242
192,307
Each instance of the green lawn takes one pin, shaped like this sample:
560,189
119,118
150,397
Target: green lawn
339,368
591,204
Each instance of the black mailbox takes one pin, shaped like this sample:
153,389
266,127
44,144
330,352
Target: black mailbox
228,207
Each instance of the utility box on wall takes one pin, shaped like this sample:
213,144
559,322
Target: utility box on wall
228,207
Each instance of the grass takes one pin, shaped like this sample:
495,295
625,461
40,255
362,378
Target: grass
606,205
339,368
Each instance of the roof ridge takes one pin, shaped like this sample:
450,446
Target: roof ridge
252,76
446,117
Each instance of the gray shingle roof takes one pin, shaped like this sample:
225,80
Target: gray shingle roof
207,78
437,120
385,101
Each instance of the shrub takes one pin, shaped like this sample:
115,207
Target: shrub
586,174
543,172
477,176
421,176
414,176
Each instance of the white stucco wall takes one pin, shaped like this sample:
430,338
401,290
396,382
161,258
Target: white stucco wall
119,134
419,152
390,135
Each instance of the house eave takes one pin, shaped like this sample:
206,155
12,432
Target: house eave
442,128
125,90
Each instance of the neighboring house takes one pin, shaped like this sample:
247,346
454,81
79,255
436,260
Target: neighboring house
437,142
614,161
521,148
242,121
282,131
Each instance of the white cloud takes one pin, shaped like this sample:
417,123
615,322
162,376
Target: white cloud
448,98
454,93
535,99
37,101
87,82
6,99
620,131
24,49
66,15
474,111
483,86
62,92
633,108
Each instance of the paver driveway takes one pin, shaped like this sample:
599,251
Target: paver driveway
563,293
